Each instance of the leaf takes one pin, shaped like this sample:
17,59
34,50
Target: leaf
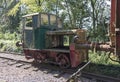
14,10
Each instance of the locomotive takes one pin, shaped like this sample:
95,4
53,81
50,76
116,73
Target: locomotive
45,40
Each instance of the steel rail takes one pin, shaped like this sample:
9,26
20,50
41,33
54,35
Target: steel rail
16,60
100,77
15,53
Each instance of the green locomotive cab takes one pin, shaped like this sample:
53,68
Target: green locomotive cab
35,27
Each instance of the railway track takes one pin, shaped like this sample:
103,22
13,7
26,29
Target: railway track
17,63
47,68
99,78
91,76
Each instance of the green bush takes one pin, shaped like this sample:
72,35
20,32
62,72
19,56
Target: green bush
9,36
1,36
101,58
8,42
101,64
9,45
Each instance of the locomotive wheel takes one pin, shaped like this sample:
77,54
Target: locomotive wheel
39,57
63,61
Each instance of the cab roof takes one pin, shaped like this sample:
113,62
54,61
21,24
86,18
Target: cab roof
28,15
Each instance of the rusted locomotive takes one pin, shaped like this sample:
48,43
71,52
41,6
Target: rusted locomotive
45,40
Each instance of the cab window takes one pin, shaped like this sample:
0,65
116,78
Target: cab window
44,19
52,20
28,22
59,23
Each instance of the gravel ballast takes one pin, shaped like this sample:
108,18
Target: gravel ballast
14,74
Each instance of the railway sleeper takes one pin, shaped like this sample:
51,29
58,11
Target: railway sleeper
27,66
12,63
20,64
4,61
59,74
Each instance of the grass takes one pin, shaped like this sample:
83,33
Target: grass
8,42
101,64
102,58
9,46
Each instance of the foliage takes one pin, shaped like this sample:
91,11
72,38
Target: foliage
9,46
99,19
101,64
32,6
25,6
74,12
8,36
15,10
106,70
8,23
8,42
101,58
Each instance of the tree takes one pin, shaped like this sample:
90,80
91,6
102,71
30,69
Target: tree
76,12
99,18
6,5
